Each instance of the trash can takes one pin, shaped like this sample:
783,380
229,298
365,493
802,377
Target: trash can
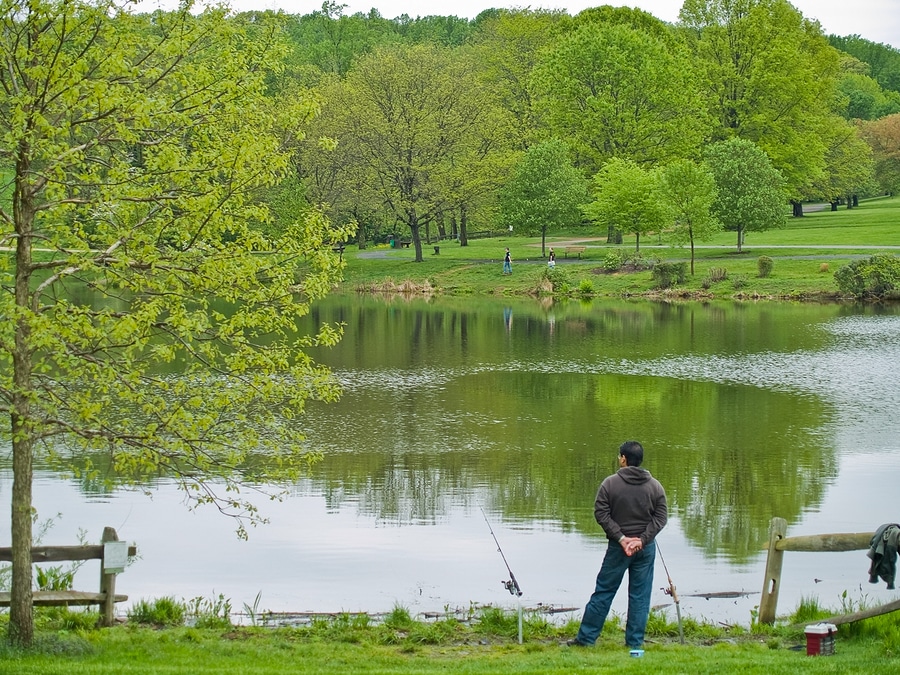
820,639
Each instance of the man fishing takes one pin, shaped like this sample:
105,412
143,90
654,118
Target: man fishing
631,508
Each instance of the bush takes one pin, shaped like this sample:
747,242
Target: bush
874,277
613,260
586,287
667,275
764,266
557,277
160,612
714,275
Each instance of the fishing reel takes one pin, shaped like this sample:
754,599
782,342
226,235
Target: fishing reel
512,587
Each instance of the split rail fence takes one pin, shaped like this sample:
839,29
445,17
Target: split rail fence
105,598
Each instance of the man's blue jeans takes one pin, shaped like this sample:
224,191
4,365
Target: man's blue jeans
640,586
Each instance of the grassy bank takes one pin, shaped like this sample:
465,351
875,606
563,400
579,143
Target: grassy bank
488,644
805,254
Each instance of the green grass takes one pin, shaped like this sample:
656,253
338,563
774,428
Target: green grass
806,253
485,644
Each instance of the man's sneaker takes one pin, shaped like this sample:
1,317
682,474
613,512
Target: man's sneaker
575,643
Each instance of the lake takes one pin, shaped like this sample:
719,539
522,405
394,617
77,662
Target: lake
462,414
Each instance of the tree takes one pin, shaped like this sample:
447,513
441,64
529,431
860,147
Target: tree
507,47
883,136
414,118
134,144
688,191
770,77
883,60
750,191
849,169
613,91
626,199
544,193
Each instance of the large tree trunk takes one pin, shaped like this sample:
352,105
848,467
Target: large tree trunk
414,228
21,613
613,236
797,209
740,239
463,225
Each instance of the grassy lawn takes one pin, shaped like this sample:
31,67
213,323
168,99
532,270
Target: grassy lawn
806,253
344,646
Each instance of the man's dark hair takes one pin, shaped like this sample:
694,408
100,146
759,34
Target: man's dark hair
633,452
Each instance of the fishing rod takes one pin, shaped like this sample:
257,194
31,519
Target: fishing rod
511,585
671,591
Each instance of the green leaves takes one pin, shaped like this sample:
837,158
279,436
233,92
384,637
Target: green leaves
545,192
750,191
147,312
616,91
626,199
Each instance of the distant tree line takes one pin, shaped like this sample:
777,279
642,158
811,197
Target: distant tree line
433,127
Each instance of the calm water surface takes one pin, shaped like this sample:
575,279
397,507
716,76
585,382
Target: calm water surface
747,411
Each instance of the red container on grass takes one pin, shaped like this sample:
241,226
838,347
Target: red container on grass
820,639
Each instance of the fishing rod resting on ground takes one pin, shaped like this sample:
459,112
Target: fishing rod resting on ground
511,585
671,591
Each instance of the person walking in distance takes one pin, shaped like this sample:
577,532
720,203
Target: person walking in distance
631,508
507,263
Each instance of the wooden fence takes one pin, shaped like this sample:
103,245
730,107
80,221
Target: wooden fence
778,544
105,598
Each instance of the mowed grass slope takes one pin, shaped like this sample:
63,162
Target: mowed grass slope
807,252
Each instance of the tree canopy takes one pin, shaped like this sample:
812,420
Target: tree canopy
626,199
136,146
545,192
687,191
749,189
615,91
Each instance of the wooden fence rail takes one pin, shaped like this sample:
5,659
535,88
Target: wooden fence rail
778,544
106,598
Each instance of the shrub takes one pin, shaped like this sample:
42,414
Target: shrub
764,265
637,261
874,277
160,612
613,260
586,287
713,276
667,275
739,281
823,267
557,277
717,274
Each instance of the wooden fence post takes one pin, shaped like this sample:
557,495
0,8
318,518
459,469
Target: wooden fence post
107,582
774,562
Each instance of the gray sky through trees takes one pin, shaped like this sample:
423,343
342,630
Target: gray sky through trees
875,20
